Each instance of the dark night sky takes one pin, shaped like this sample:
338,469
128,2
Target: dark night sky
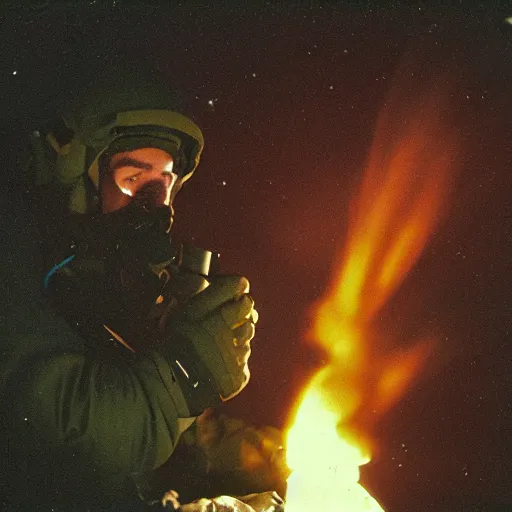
288,98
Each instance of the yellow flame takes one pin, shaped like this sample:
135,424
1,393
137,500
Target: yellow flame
393,215
336,470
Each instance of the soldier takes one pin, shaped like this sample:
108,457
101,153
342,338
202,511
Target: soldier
112,344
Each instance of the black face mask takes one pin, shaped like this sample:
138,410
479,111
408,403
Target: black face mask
137,236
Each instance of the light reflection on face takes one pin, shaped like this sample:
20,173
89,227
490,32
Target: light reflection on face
132,171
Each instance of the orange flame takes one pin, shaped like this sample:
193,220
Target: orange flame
398,205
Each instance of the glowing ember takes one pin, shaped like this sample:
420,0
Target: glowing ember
392,217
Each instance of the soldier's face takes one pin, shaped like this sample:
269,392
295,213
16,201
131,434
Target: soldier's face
131,175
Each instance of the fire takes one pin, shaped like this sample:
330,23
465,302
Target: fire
392,217
326,467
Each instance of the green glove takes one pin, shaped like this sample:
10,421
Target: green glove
209,339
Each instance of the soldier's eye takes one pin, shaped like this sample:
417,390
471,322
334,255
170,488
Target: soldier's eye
133,179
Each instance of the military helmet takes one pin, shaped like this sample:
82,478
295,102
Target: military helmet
120,111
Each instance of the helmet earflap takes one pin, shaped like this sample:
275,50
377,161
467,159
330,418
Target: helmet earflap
70,160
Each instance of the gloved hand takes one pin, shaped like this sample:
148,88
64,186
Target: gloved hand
240,457
209,338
